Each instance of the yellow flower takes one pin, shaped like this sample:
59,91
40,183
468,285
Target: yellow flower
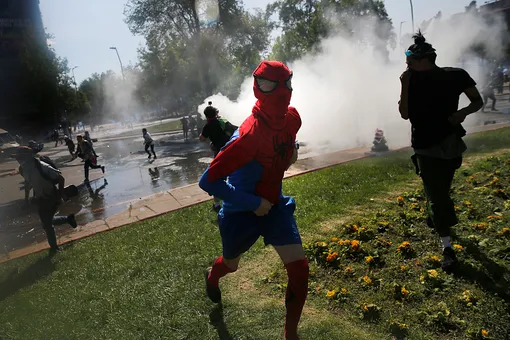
344,242
330,293
497,172
355,245
348,270
369,259
494,217
404,292
422,278
435,258
344,291
456,207
367,280
400,199
480,226
505,231
485,334
403,268
432,273
471,177
334,239
494,181
404,246
332,257
321,244
355,228
457,247
467,202
365,308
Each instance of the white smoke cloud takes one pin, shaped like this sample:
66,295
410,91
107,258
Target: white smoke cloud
347,91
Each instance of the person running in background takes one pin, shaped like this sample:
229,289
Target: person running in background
488,93
184,123
70,146
88,139
148,142
42,178
192,125
430,100
214,131
88,156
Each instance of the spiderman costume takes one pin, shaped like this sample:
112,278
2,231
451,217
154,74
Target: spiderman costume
255,160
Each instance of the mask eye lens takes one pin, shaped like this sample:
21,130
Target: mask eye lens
288,83
409,53
265,85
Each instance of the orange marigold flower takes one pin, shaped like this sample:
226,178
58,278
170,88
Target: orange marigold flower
404,246
332,257
348,270
334,239
367,280
355,245
433,273
435,258
369,259
404,292
400,199
355,228
480,226
330,293
365,308
457,247
494,217
485,334
494,181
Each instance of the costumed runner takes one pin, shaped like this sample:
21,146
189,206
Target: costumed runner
255,160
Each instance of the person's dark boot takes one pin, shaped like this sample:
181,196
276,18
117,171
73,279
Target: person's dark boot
449,259
213,293
71,219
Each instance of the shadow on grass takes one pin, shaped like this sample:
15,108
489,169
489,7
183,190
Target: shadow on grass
492,279
33,273
217,320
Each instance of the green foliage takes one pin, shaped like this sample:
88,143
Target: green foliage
46,81
305,23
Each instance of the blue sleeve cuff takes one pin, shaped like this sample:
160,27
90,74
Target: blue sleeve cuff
238,199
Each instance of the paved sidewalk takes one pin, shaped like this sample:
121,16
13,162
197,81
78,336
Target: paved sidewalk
179,198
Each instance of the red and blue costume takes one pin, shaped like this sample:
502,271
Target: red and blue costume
255,160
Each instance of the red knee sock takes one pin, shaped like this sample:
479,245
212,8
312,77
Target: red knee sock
297,290
219,269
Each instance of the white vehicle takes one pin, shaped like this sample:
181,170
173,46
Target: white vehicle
7,143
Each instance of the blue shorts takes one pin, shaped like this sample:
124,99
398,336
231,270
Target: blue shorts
240,230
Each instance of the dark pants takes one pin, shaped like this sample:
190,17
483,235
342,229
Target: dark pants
88,164
152,149
185,131
47,208
489,96
437,176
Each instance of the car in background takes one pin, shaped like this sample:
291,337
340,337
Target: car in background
8,144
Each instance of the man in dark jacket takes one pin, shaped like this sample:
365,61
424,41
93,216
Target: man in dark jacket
430,99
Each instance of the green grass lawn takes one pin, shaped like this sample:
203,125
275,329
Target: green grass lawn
144,281
174,125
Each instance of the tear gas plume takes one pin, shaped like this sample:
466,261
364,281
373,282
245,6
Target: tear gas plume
348,90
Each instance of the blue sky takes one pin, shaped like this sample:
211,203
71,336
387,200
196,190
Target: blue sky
84,30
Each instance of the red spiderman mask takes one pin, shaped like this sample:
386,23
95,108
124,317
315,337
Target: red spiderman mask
273,89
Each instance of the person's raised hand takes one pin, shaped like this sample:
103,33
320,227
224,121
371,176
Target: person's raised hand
264,207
